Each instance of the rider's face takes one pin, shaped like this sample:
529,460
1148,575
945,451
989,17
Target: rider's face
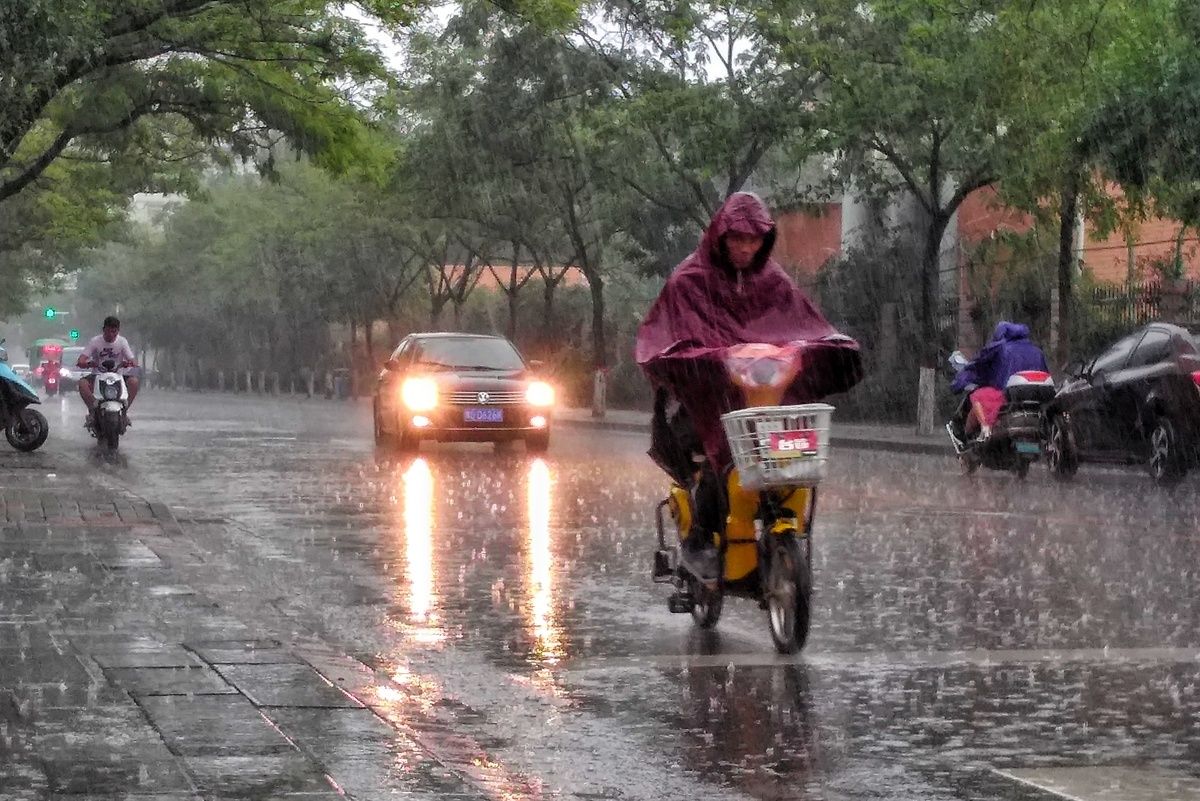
110,334
742,248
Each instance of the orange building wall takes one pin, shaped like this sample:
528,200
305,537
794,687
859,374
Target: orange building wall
1108,260
808,239
980,215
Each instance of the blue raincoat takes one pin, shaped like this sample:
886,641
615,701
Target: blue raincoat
1010,351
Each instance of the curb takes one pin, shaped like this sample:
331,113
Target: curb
933,448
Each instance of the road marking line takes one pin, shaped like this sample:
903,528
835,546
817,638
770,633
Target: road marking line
1116,783
916,659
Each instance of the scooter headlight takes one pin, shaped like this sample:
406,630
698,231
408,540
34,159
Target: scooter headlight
110,390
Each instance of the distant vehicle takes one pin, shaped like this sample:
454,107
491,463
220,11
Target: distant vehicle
22,371
1138,402
461,387
71,372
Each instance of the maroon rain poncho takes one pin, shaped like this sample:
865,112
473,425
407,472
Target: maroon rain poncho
707,306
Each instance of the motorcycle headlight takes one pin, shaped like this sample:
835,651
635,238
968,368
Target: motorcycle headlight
110,390
539,393
419,394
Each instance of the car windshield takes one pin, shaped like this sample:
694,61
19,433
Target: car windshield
70,356
474,353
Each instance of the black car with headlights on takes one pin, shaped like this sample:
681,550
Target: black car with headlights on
460,388
1137,402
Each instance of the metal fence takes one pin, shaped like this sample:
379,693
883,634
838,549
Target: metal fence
1135,304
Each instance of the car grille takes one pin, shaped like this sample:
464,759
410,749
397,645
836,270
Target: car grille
494,398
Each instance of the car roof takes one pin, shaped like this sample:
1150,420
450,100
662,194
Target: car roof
453,335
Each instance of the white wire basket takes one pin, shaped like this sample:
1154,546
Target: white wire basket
779,446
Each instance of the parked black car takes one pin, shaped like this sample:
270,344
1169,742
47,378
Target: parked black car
1138,402
461,387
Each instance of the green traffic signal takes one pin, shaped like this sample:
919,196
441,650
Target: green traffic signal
74,334
50,312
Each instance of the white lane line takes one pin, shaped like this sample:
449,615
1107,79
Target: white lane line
1109,783
915,659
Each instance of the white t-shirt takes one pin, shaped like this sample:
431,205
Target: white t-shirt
118,350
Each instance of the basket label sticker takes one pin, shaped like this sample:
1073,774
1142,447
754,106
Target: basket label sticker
793,444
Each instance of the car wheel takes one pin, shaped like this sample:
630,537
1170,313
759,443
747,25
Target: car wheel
1062,457
1166,462
406,441
382,438
538,443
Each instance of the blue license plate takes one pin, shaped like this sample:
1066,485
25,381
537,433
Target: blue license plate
1028,447
484,415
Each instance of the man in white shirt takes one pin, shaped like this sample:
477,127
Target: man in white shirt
108,346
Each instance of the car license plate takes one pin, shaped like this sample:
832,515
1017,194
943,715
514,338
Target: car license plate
484,415
1028,447
793,444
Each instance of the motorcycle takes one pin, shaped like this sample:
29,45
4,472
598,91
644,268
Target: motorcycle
50,379
24,428
769,496
1018,436
108,420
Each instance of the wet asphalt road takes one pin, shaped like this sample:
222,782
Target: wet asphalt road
960,626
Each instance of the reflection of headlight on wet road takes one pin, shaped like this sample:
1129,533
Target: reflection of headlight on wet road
418,534
541,564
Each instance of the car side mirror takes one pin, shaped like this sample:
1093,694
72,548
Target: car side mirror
536,364
1074,369
391,365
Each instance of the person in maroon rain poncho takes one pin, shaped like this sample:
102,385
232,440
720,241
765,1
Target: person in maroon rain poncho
728,292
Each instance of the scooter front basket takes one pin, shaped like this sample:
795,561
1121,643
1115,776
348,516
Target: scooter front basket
779,446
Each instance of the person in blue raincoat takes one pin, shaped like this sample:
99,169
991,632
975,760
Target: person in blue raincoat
1010,351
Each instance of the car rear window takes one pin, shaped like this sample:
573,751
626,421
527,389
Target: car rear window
1155,347
492,354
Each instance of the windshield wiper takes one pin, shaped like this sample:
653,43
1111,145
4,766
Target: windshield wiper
482,367
438,365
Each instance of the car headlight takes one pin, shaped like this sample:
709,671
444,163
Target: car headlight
64,371
539,394
419,394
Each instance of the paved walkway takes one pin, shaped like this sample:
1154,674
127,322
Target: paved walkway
845,435
119,680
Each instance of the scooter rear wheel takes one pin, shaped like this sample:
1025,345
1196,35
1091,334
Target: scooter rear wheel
28,431
789,595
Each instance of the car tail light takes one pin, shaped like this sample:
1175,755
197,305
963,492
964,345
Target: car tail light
1196,379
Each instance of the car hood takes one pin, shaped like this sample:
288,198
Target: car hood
481,380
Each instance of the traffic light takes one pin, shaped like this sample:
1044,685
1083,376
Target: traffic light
74,333
50,312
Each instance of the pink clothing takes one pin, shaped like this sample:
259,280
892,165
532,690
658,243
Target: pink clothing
990,400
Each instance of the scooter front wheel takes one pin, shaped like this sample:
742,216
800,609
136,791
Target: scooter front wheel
707,603
789,595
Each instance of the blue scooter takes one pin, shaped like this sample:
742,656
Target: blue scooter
25,428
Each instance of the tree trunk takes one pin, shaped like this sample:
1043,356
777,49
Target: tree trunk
599,343
930,320
1067,212
931,268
